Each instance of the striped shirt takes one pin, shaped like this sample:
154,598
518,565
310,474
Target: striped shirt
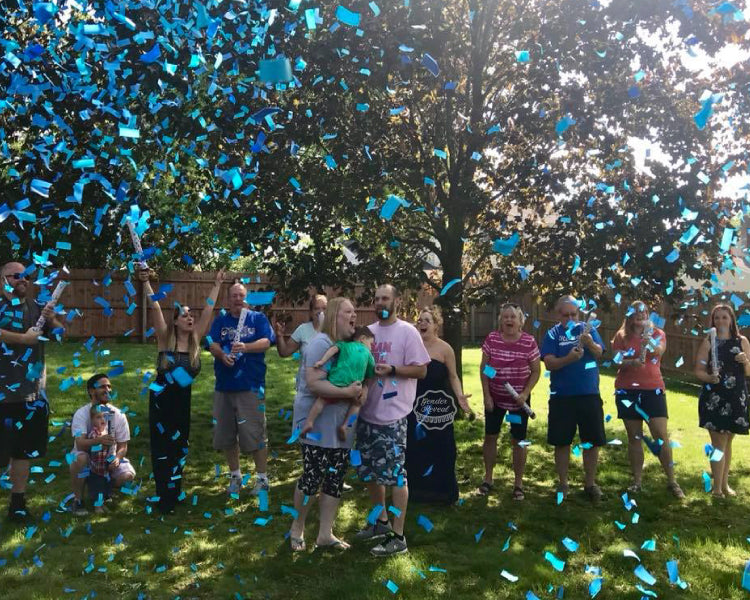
511,362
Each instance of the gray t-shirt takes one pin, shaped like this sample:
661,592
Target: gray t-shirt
332,415
302,335
22,370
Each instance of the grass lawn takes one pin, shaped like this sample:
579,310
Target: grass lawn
212,548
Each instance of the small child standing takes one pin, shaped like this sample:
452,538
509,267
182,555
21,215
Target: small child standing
98,480
354,363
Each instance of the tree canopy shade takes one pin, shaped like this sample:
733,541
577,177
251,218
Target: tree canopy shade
499,139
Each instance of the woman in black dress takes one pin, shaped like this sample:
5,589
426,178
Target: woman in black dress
723,367
430,446
177,364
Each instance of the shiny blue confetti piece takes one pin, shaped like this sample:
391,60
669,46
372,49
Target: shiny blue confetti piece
295,435
595,587
672,256
355,457
726,239
522,56
432,569
276,70
152,55
374,8
430,64
394,511
560,498
347,16
509,576
556,563
489,372
391,205
478,535
428,471
506,246
531,596
642,574
449,285
288,510
374,514
746,577
392,587
424,522
511,418
262,522
263,500
649,545
563,124
129,132
314,435
506,545
40,187
571,545
260,298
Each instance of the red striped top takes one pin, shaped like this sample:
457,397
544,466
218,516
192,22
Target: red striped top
512,363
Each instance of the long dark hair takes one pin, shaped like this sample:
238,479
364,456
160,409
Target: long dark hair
734,331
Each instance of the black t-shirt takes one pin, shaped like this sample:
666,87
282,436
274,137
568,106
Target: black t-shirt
22,370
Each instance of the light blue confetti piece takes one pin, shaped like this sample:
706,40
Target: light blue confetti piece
628,553
449,285
511,418
522,56
374,514
489,372
679,362
314,435
129,132
392,587
642,574
288,510
40,187
560,498
649,545
440,153
620,526
260,298
716,455
432,569
295,435
672,256
506,545
152,55
391,205
563,124
355,457
347,16
505,246
261,521
571,545
478,535
591,365
424,522
374,8
531,596
556,563
263,501
726,239
430,64
276,70
746,577
595,587
181,376
394,511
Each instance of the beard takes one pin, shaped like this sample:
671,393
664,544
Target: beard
385,311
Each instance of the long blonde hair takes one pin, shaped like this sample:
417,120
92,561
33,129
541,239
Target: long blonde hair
329,321
628,322
194,346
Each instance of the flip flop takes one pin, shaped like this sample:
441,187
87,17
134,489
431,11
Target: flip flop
485,488
298,544
518,493
340,545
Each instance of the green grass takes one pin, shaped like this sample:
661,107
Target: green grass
214,550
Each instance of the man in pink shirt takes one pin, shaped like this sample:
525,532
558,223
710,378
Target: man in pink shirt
400,359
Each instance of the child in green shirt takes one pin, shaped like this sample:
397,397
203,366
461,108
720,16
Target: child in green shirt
355,363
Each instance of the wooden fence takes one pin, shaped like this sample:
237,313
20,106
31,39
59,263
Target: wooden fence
107,307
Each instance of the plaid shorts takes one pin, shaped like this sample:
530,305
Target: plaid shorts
383,451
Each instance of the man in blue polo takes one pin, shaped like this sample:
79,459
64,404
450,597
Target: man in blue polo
571,354
240,371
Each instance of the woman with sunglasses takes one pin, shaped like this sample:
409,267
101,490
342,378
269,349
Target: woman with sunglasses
640,392
431,445
513,356
177,365
723,366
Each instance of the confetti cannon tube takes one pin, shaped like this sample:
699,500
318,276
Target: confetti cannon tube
137,244
61,285
645,342
525,407
714,351
588,326
240,327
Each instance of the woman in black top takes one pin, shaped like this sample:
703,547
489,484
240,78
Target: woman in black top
177,364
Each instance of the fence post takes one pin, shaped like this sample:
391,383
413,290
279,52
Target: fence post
144,313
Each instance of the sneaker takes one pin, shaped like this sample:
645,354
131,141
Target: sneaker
346,488
260,485
594,492
676,490
391,545
373,532
78,509
20,514
235,485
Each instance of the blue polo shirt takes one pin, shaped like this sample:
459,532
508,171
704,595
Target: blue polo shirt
578,378
249,370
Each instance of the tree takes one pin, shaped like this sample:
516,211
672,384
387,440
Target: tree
481,120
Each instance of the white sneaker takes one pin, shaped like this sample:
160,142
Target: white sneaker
260,484
235,485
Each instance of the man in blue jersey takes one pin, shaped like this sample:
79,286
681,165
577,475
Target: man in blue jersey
571,353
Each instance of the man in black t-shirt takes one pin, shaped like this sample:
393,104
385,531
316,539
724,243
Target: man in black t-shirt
24,410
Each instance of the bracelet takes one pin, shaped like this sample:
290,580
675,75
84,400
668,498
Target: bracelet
393,371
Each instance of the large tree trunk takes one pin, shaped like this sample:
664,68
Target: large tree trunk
451,304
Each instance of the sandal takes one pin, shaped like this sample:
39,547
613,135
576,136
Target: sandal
298,544
518,493
676,490
334,545
485,488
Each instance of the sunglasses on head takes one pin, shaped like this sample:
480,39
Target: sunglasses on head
510,305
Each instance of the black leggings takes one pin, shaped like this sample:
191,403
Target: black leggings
169,425
326,466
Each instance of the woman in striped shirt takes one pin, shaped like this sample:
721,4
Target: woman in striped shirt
511,356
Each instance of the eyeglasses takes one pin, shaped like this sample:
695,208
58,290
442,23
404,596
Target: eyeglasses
18,275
